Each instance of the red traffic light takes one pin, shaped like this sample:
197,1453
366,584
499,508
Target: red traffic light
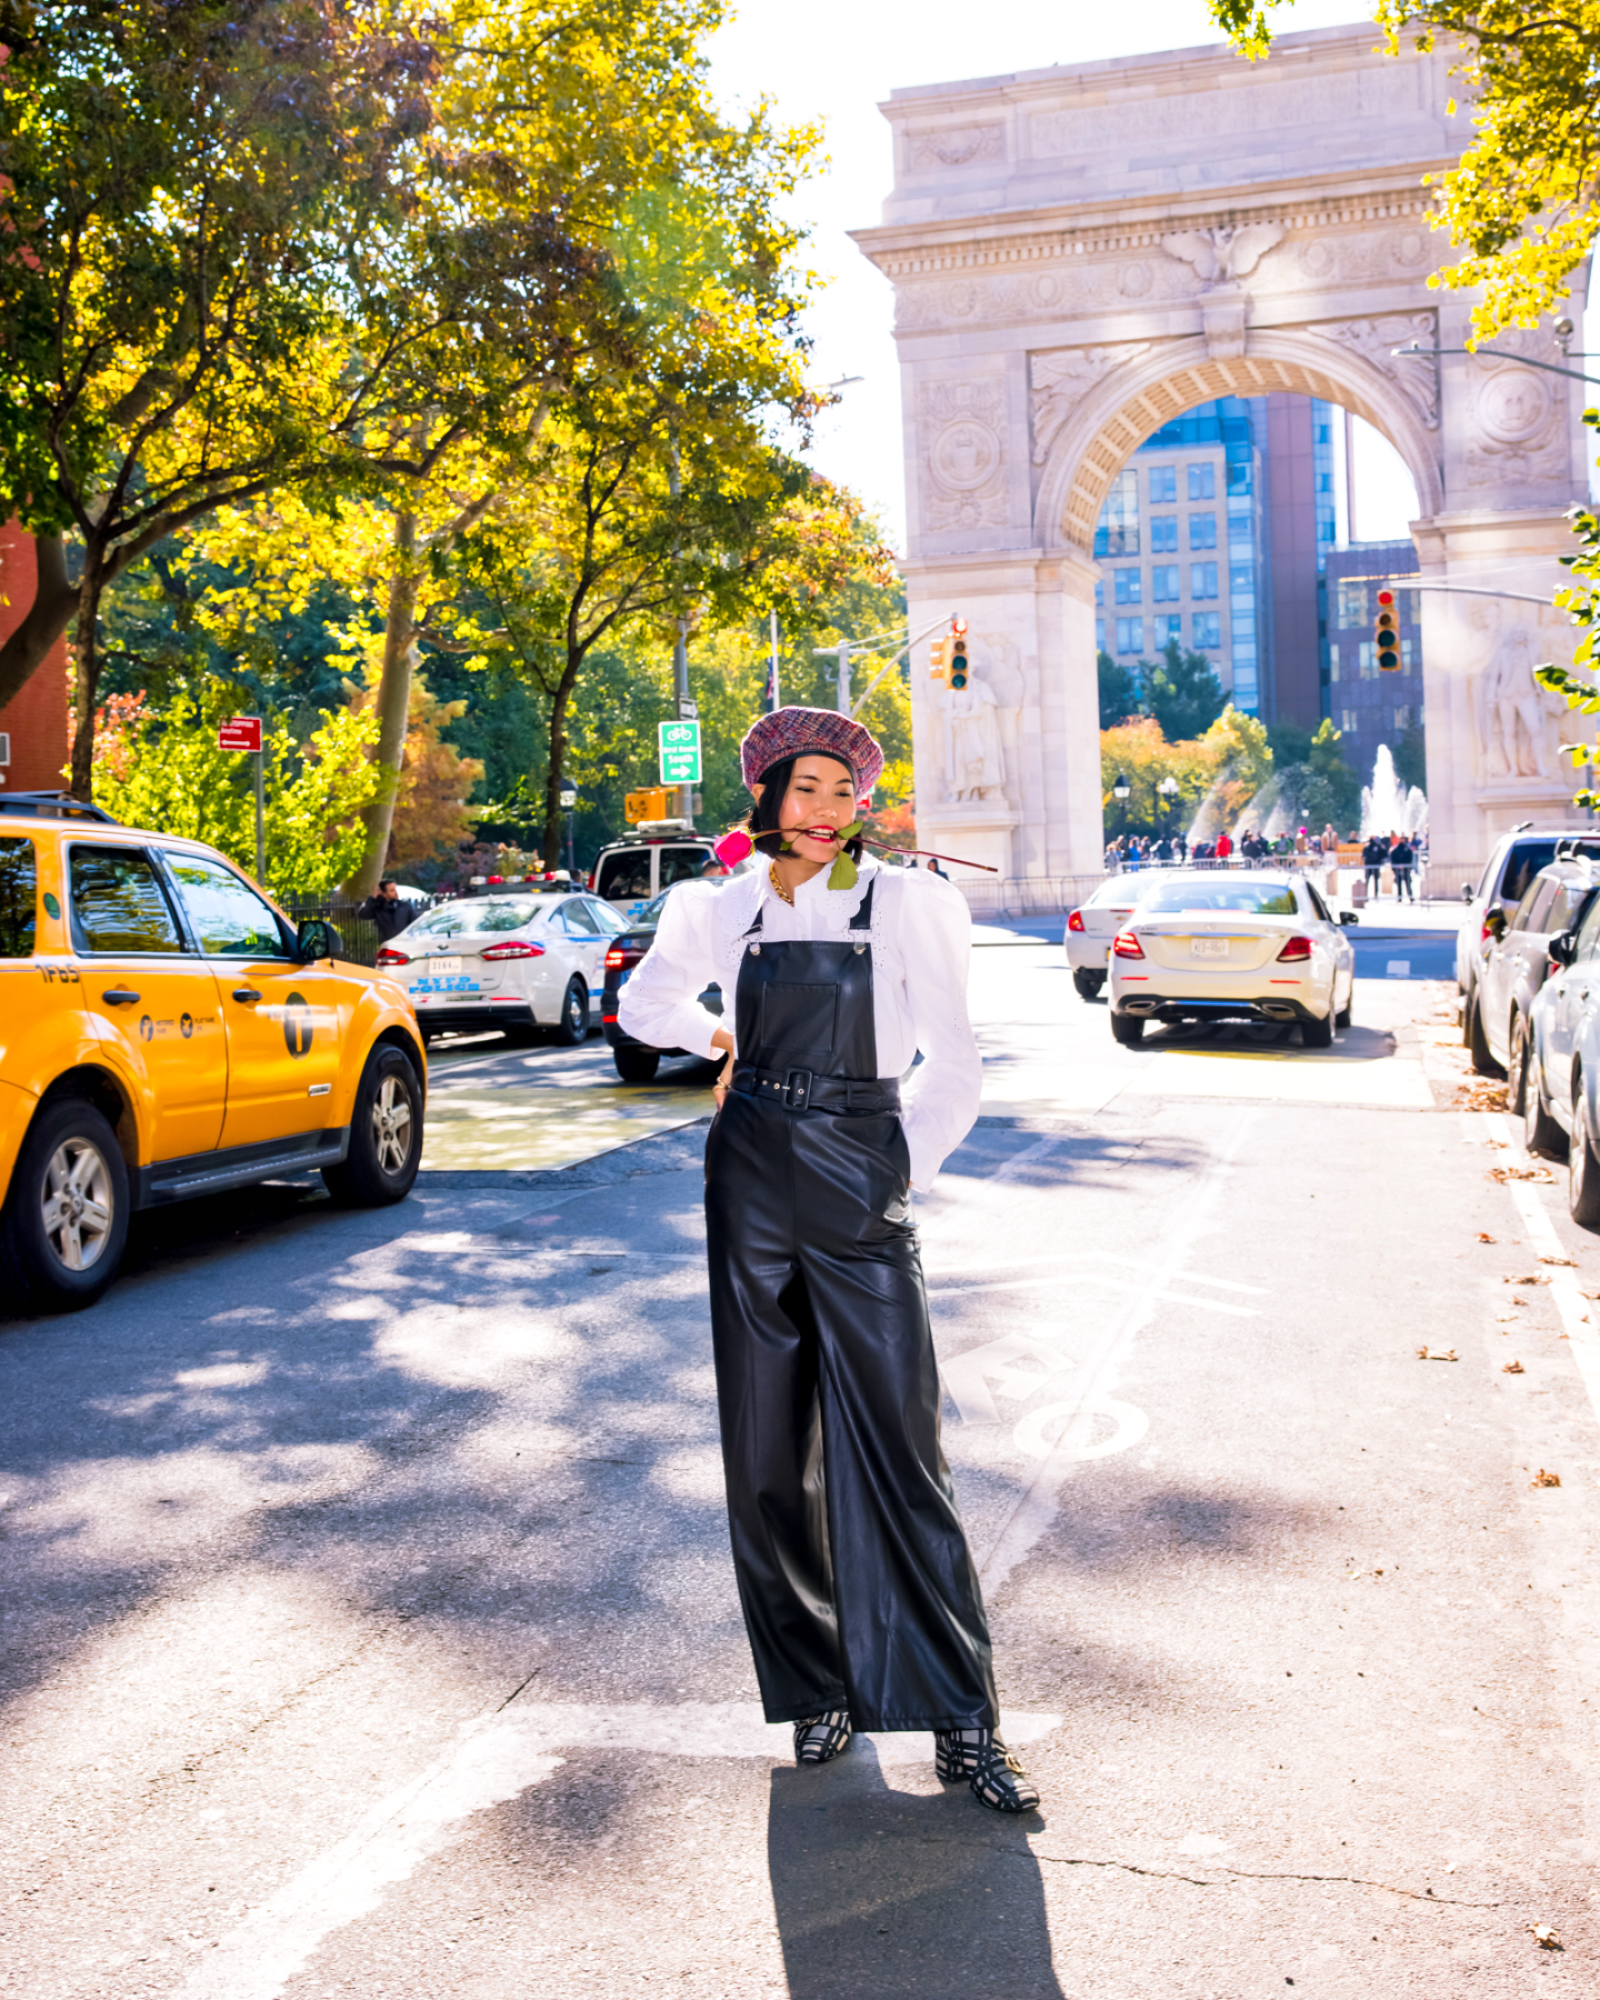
1386,597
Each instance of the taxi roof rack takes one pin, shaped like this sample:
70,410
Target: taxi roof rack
53,805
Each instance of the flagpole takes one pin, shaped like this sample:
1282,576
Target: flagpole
776,701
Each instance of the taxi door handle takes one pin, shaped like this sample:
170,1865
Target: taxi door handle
120,996
248,994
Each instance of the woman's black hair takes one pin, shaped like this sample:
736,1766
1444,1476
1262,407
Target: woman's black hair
762,819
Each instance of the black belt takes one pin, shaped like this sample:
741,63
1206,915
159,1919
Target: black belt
795,1089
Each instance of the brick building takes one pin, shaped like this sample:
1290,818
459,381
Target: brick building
33,728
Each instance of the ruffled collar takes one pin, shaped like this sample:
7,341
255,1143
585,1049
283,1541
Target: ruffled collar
833,909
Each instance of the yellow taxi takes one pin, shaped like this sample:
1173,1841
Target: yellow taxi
166,1032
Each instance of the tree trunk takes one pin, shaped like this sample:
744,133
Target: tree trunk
86,679
49,615
394,702
558,758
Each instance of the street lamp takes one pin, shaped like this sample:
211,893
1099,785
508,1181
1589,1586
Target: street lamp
1168,788
1120,788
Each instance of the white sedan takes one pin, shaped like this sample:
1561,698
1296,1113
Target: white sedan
1214,946
1094,923
505,960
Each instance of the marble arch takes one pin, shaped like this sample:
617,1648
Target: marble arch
1081,253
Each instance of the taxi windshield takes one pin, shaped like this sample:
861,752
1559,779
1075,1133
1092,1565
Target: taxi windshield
482,913
1246,899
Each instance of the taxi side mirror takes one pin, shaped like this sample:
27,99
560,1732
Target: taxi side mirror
317,938
1348,917
1562,948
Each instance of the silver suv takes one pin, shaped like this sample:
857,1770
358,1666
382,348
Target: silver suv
631,873
1517,858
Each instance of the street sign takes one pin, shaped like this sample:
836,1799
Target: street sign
242,733
680,753
688,711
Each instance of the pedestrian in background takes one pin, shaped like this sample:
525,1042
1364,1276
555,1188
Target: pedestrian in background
1224,849
860,1594
1373,855
1402,858
386,911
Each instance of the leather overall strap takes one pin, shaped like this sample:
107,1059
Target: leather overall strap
798,1089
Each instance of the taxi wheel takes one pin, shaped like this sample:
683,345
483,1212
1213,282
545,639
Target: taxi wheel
66,1220
1317,1034
637,1065
1128,1029
385,1134
1088,984
573,1025
1583,1169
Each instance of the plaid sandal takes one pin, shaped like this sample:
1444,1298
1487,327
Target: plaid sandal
978,1758
821,1738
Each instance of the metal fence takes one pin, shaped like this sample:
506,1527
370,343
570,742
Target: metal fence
1027,895
360,934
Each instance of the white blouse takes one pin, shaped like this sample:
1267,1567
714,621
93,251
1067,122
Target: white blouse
921,947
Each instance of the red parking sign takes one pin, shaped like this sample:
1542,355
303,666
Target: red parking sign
242,733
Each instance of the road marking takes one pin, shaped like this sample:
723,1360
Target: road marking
1093,1278
494,1758
1096,1257
1131,1424
1035,1510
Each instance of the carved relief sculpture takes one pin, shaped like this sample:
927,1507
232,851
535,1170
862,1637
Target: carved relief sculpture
1376,339
1225,252
964,463
1518,418
1516,720
1060,380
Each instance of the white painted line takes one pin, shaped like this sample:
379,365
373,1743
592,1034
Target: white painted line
1035,1510
494,1759
1091,1257
1569,1301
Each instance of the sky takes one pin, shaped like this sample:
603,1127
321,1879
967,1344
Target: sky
833,61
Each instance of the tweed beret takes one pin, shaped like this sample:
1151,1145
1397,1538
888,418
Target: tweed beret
801,732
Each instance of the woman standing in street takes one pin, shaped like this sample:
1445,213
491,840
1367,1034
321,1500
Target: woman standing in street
860,1595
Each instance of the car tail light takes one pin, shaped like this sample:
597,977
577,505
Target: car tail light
1297,947
518,949
1075,921
621,956
494,878
388,956
1127,945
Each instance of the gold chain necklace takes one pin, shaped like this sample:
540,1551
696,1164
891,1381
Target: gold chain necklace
776,880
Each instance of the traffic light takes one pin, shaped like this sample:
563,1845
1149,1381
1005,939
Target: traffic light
958,652
638,807
939,659
1388,634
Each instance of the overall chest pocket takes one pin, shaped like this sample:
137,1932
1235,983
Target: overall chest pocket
800,1019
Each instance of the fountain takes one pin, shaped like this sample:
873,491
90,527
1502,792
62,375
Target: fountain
1386,806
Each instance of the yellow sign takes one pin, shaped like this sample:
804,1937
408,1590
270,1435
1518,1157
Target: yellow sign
640,806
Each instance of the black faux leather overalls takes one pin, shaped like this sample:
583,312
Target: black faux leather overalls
857,1585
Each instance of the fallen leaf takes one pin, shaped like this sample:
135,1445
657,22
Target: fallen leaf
1547,1937
1521,1174
1436,1354
1513,1368
1546,1478
1571,1262
1532,1278
1485,1237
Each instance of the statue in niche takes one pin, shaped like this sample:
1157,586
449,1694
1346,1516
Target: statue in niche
972,760
1514,716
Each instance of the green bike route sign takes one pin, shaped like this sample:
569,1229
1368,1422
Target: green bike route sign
680,753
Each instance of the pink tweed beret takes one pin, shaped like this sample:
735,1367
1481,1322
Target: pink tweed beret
802,732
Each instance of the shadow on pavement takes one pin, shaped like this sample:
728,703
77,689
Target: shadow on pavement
899,1895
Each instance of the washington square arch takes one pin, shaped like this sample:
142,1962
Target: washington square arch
1081,254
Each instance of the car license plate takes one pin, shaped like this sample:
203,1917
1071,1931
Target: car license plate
1208,947
438,967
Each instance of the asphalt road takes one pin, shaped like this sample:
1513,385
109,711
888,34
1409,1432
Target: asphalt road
369,1628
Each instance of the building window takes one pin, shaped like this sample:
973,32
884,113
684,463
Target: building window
1239,479
1164,588
1130,635
1404,717
1168,627
1368,669
1127,582
1347,721
1405,656
1202,579
1203,481
1352,604
1164,535
1333,663
1163,484
1242,579
1099,593
1118,531
1099,635
1202,531
1207,629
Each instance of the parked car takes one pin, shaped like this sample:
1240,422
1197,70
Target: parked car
167,1032
636,1061
1515,962
1096,921
1213,947
1517,858
1560,1111
510,958
631,873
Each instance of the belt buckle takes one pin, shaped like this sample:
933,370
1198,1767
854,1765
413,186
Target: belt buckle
797,1089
